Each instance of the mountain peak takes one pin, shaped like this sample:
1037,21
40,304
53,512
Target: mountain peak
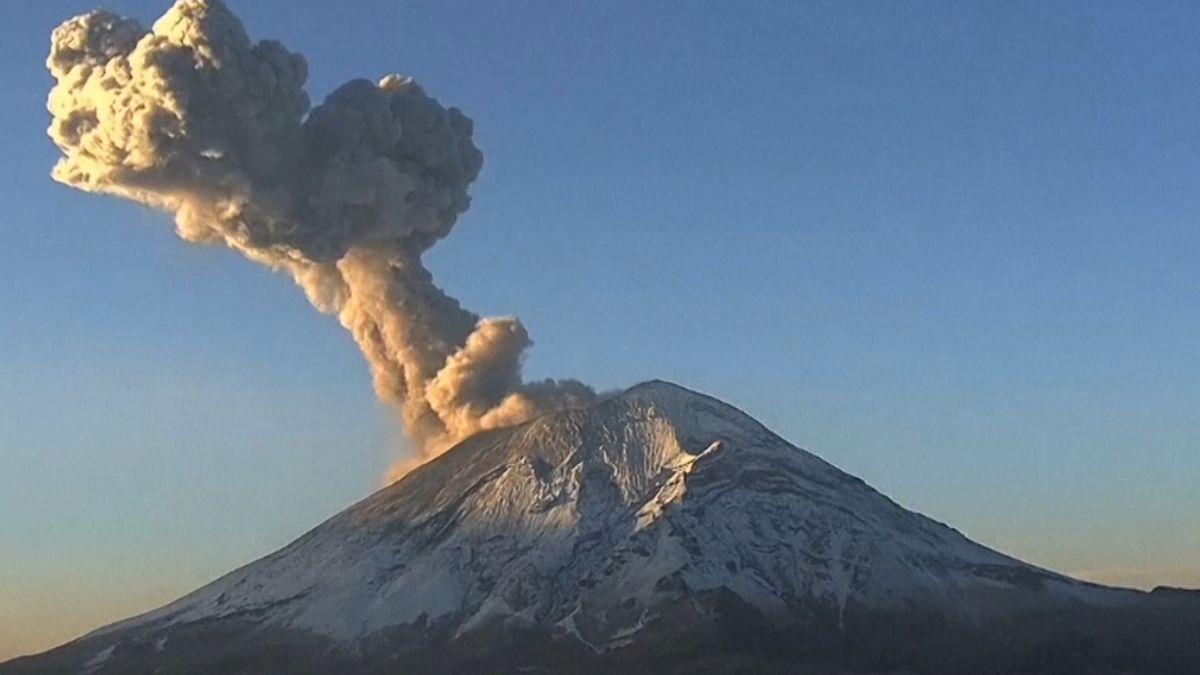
658,387
607,524
671,393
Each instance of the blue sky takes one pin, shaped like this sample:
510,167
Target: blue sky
950,247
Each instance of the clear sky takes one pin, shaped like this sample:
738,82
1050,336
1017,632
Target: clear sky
950,247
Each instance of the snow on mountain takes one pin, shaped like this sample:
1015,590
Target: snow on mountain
584,523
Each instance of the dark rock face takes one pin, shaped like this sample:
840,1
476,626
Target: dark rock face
659,531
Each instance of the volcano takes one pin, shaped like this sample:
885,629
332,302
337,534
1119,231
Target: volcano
657,530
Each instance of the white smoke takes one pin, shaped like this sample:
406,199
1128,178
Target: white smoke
192,118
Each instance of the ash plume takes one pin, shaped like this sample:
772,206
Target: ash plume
192,118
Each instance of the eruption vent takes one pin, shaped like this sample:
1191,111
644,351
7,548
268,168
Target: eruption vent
192,118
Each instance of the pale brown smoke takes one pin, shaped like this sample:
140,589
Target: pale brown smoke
192,118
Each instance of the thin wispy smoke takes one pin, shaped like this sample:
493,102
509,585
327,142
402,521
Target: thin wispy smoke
193,118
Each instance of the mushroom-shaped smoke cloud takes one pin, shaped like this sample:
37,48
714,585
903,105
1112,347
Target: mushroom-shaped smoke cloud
192,118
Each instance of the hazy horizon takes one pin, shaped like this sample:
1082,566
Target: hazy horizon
950,249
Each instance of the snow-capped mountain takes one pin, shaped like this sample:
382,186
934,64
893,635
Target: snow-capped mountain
658,521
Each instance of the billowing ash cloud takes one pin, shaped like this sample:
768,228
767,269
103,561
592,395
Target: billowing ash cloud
192,118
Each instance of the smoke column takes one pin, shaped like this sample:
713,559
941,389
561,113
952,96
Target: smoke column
192,118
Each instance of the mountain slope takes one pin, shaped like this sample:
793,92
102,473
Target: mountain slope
656,519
